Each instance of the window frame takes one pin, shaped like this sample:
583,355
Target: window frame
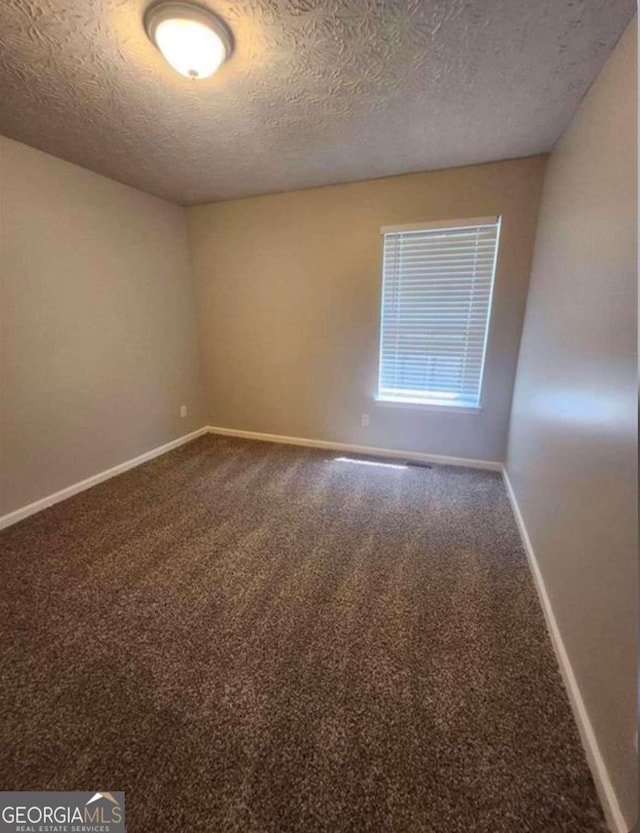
439,407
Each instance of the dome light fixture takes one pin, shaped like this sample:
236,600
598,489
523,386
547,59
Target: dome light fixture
193,40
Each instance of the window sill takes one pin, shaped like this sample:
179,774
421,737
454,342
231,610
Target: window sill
428,406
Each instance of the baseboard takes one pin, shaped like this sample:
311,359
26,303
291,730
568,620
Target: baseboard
38,505
491,465
606,792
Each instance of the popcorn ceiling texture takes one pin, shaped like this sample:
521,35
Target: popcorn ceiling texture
253,638
317,91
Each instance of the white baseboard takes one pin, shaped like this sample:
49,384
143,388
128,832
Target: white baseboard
491,465
63,494
38,505
606,793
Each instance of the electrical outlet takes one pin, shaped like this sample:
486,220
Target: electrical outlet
365,420
183,411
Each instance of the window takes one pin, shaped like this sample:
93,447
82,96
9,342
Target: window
437,285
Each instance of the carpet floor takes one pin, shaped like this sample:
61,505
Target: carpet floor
253,638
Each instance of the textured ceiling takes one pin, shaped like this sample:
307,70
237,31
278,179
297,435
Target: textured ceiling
316,92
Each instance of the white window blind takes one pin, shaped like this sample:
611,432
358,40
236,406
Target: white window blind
437,286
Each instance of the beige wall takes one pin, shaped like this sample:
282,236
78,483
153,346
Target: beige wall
288,290
572,453
99,348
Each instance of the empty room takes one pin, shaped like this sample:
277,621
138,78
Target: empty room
318,416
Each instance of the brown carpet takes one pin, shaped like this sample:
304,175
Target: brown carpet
261,639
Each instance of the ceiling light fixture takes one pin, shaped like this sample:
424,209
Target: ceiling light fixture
193,40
